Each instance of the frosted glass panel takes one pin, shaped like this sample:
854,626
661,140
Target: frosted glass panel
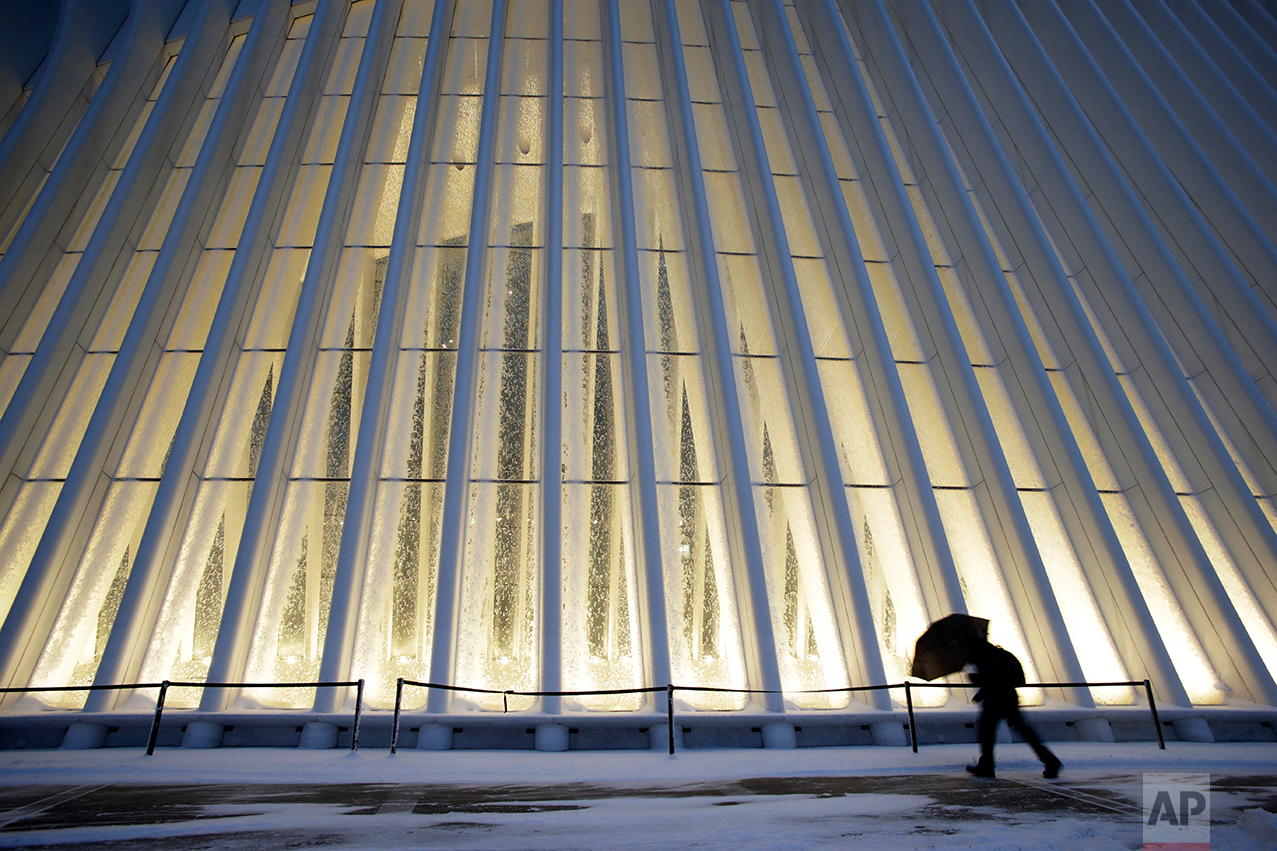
616,406
20,534
1087,630
584,132
983,583
407,57
706,639
809,649
84,623
397,600
496,644
392,130
895,599
598,568
668,318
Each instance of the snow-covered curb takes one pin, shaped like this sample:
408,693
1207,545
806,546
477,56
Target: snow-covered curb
289,765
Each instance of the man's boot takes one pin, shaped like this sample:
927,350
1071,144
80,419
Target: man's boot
983,768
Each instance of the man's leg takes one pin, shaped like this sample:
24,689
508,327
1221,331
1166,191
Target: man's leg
1050,761
991,713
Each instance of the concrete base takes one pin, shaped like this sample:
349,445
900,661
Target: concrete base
434,737
1094,730
889,734
659,734
84,735
47,730
551,737
203,734
318,735
780,735
1193,730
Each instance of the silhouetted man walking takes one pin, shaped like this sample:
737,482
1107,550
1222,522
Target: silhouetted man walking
998,673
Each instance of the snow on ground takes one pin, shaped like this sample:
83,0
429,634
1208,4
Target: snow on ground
292,765
881,798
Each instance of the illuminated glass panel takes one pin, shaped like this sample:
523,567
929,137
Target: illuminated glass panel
603,625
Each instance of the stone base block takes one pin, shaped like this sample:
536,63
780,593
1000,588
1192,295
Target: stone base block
1193,730
203,734
551,737
84,735
887,733
659,734
1094,730
318,735
779,734
434,737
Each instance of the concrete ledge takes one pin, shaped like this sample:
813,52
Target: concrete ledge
49,729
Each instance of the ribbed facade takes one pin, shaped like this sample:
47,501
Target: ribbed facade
598,344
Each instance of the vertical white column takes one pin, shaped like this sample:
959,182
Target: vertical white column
45,377
1186,322
1087,523
1236,198
1116,125
191,223
818,446
1183,560
1253,34
744,542
551,618
889,408
1257,90
84,29
1088,135
249,575
639,431
1206,103
1027,582
63,349
364,468
456,496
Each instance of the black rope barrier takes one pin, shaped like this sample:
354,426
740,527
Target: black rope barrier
167,684
112,687
506,693
669,698
669,690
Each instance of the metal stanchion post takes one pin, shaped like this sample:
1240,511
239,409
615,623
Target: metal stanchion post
155,725
669,712
1152,707
394,730
913,725
359,708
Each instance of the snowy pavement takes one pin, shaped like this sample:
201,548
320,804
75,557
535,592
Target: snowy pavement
862,797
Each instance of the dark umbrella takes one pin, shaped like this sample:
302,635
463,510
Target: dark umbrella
947,645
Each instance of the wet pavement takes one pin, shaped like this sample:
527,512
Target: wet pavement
1098,810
